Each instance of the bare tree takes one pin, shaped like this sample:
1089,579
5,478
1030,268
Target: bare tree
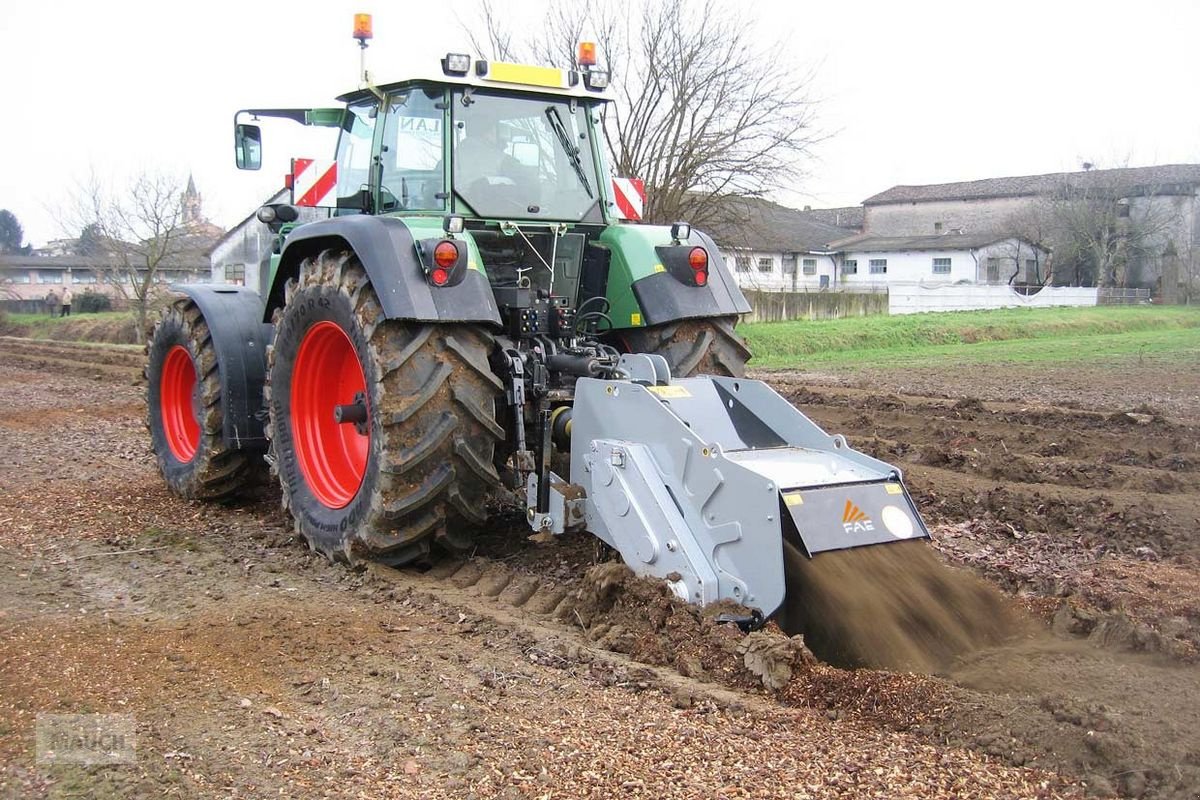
1189,271
704,109
1032,231
1106,234
140,232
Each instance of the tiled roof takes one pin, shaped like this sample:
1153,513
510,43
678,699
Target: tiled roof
756,224
904,244
1166,178
844,217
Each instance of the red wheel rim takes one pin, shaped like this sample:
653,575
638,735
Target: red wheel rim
332,455
176,402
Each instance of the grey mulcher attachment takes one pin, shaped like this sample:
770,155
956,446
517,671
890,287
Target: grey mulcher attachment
697,481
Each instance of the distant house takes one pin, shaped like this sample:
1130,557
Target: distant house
986,205
59,263
948,258
1167,195
772,247
777,248
33,277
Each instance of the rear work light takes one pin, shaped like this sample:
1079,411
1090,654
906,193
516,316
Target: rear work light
596,79
456,64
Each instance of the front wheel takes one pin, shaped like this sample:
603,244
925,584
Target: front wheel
383,432
185,413
693,346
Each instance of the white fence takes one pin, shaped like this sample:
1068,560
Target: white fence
914,299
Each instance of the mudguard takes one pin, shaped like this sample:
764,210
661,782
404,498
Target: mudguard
386,248
642,290
664,298
240,337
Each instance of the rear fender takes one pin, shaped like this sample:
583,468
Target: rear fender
239,336
387,249
643,291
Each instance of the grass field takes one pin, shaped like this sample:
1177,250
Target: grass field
107,326
972,337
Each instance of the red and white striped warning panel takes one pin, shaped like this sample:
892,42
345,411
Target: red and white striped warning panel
630,194
313,182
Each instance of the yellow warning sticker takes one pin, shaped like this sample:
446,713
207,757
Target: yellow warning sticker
670,391
793,499
635,318
893,488
659,268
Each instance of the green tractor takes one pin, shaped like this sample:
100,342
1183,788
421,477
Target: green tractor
472,312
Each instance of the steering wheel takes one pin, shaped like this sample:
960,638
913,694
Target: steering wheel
499,191
389,201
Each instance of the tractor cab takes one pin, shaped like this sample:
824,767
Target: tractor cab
513,154
484,140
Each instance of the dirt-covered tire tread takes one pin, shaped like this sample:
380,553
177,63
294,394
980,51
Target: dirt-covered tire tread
707,346
430,469
217,472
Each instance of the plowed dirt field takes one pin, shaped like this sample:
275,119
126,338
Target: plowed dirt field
252,668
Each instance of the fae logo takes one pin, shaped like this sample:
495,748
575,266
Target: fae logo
854,520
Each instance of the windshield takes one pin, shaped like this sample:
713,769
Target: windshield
527,157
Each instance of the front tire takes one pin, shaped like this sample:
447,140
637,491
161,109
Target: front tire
417,470
693,346
185,411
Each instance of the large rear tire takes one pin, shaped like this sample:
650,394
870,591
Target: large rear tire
185,411
418,471
694,346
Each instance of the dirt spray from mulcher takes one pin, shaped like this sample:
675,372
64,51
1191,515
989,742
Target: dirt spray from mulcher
894,606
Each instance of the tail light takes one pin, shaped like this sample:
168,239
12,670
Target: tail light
444,261
445,254
687,264
698,261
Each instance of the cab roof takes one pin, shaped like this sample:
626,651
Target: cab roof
494,80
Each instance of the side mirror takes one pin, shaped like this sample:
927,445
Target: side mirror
247,146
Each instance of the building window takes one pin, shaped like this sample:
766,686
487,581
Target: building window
850,266
49,276
993,270
766,264
235,273
743,263
1031,267
14,276
789,265
937,227
810,266
82,276
878,266
941,266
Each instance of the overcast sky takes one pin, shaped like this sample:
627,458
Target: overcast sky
911,92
